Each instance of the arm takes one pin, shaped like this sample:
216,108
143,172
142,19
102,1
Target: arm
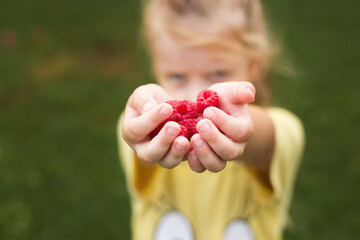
260,147
247,135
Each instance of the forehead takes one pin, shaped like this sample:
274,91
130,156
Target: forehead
169,54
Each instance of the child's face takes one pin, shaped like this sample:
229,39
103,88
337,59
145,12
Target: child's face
185,71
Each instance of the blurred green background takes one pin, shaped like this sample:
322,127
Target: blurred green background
66,71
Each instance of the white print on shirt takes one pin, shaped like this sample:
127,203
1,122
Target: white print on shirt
238,230
175,226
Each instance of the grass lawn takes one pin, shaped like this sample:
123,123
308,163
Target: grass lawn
66,71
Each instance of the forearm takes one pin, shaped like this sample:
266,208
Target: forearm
260,147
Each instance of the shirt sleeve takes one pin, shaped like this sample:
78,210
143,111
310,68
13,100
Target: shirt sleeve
289,145
274,201
143,180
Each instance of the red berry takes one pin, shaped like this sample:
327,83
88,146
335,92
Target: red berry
176,116
207,98
183,131
186,108
190,124
188,113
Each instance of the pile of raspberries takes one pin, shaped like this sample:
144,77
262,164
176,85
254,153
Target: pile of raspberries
188,113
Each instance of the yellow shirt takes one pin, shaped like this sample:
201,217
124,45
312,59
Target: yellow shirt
210,201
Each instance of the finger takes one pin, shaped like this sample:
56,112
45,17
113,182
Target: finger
207,157
136,129
239,129
176,153
146,97
235,92
195,163
156,149
225,147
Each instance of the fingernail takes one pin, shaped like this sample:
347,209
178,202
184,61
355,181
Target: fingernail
204,127
165,110
180,147
251,89
193,157
210,114
199,143
171,131
251,92
147,106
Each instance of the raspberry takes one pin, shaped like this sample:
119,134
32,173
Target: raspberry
182,110
183,131
187,109
190,124
188,113
207,98
176,116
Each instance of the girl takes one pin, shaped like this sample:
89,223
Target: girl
248,159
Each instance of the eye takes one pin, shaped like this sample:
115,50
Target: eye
176,77
219,76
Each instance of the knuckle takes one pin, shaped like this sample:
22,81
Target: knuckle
138,96
164,164
250,130
134,133
247,132
152,85
125,136
137,92
231,155
141,156
169,163
235,154
146,157
244,132
198,169
217,167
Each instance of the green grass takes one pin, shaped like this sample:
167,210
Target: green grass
64,84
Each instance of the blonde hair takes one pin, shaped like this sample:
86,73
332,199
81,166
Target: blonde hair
237,25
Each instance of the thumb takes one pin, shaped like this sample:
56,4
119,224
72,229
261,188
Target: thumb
235,92
147,96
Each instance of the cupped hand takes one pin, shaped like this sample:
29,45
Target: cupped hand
145,110
223,137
